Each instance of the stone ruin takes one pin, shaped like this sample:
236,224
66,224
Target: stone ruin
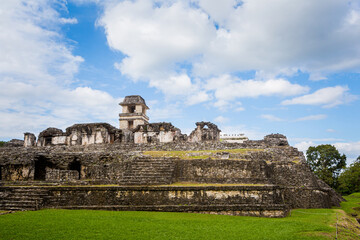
205,131
134,128
146,166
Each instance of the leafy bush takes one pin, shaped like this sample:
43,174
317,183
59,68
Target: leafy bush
349,180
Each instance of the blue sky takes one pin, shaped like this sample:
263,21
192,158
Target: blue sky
253,67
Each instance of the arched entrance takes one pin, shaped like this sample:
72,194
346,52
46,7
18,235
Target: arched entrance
40,168
75,165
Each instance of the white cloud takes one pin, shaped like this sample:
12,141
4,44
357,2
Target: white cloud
330,130
303,146
271,118
37,68
312,117
198,97
227,87
327,97
171,43
277,36
156,39
351,149
164,112
221,119
68,20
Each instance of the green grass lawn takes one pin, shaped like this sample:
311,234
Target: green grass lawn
87,224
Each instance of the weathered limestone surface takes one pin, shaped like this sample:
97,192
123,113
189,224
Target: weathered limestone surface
269,177
205,131
234,200
29,139
133,112
157,133
78,134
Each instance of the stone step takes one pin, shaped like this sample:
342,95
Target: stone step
5,201
24,197
17,209
147,175
275,210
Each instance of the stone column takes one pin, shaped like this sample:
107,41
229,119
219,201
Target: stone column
29,139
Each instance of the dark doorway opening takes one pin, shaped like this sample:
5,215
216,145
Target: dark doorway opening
48,141
75,165
132,109
131,124
40,168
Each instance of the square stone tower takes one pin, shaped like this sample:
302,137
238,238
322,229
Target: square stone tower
133,112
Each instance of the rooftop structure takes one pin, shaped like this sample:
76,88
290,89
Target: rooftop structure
133,112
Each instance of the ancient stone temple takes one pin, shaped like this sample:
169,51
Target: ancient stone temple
154,167
133,112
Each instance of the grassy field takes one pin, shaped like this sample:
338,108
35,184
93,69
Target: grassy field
85,224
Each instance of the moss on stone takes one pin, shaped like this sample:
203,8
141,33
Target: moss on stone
191,184
203,154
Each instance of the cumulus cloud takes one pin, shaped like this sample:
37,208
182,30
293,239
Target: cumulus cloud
351,149
37,68
326,97
228,88
171,43
221,119
156,39
277,36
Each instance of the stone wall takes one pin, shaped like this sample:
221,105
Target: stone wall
265,201
261,162
78,134
157,133
222,171
29,140
61,175
205,131
17,172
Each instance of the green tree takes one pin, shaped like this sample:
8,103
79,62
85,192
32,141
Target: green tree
349,180
326,162
2,143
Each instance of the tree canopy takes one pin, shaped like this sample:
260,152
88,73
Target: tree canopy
326,162
349,180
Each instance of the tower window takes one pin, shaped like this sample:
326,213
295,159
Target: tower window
131,109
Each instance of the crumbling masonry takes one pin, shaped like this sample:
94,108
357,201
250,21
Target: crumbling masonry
154,167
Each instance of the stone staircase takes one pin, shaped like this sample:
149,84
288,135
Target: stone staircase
148,171
22,198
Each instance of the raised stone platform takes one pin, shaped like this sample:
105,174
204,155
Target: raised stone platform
250,200
257,178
